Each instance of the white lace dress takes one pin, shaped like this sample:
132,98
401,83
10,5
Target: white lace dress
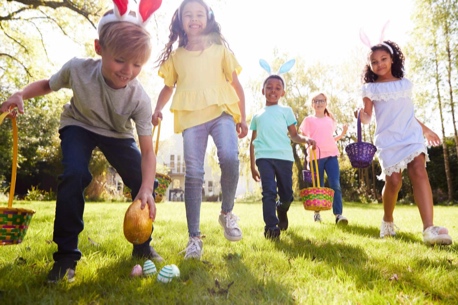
398,135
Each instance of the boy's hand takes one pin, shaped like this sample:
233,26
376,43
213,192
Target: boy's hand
13,101
242,129
311,142
157,115
255,174
147,198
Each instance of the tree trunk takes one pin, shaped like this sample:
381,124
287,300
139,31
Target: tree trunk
444,144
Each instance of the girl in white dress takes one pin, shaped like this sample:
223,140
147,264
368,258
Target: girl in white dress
399,138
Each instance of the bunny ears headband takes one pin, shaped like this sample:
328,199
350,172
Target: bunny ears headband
283,69
121,12
367,41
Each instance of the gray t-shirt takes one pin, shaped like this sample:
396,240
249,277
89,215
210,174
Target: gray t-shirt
99,108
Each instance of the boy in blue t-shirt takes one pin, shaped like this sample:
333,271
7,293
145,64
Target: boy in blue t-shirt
271,148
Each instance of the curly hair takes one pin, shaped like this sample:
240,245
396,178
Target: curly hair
397,67
274,76
212,30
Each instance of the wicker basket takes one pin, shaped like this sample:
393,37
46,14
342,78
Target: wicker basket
163,179
360,153
14,222
316,198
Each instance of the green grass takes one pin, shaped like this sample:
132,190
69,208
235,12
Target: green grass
312,263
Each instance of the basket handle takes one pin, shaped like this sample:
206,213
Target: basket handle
156,148
358,126
15,154
312,170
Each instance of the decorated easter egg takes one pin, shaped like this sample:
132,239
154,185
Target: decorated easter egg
136,271
137,223
166,274
149,268
175,270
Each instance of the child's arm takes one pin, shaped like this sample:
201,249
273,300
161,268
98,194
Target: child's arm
32,90
366,112
164,97
297,138
242,127
344,132
145,194
431,137
254,170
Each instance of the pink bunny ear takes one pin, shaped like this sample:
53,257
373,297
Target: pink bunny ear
364,38
147,8
121,7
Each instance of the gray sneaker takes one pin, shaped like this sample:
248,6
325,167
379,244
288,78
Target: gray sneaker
436,236
194,249
387,229
62,270
232,231
341,220
317,217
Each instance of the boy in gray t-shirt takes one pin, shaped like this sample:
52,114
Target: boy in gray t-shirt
106,99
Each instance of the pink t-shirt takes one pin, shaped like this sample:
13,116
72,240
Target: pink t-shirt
322,131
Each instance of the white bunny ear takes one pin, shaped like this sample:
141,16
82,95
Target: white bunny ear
265,65
286,66
121,7
146,8
382,34
364,38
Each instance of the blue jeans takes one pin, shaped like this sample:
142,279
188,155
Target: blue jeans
275,174
330,165
195,139
77,145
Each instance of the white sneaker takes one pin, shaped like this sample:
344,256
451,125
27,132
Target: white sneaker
232,231
194,249
436,236
387,229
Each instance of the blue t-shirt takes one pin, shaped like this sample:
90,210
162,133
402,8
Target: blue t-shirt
272,141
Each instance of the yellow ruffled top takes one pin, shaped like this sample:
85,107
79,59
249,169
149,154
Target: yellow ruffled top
203,85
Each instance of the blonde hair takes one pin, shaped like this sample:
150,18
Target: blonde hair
313,95
127,40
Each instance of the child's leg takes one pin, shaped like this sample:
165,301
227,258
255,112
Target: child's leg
266,170
331,166
195,141
421,189
77,145
284,174
124,155
224,135
390,192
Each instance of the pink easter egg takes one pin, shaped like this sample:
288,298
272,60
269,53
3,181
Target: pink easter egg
136,271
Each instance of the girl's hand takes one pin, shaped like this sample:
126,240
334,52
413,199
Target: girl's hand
156,116
242,129
432,138
344,129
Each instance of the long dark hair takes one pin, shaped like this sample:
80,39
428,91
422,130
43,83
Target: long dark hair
213,31
397,67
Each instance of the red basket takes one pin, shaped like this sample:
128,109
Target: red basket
360,153
316,198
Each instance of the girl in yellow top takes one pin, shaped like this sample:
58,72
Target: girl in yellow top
208,100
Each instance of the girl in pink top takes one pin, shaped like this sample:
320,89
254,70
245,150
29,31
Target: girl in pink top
321,127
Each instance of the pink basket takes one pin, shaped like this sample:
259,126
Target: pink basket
316,198
360,153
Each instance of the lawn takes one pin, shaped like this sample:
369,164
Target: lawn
312,263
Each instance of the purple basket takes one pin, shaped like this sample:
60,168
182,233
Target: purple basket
360,153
